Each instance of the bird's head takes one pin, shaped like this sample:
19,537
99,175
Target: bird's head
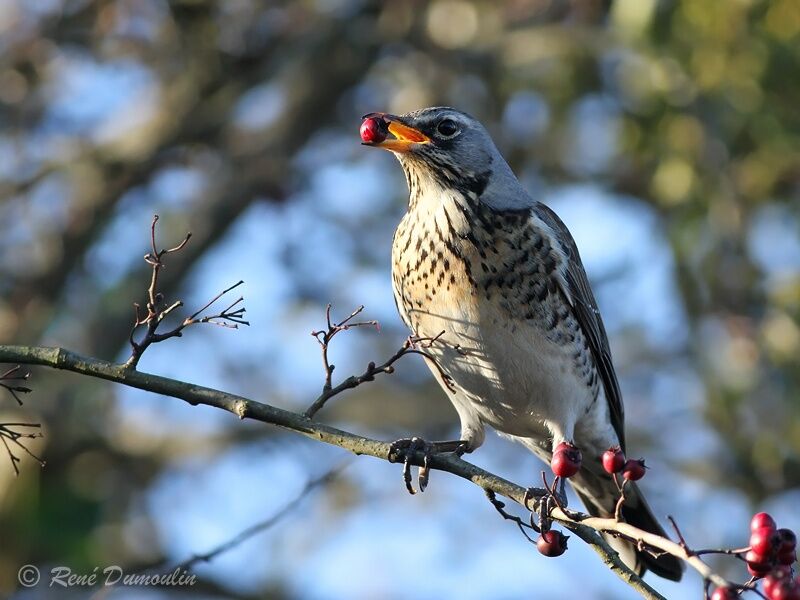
446,148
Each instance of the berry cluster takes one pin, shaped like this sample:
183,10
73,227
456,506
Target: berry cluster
565,463
772,553
770,556
614,462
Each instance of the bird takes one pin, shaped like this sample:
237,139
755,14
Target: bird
495,278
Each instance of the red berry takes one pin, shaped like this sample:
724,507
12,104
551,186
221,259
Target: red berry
770,583
758,565
785,589
781,572
787,558
373,131
634,470
613,460
775,578
788,540
566,460
764,541
724,593
552,543
761,520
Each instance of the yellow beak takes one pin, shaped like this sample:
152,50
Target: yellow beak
405,137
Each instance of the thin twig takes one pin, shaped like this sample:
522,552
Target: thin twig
11,437
412,345
155,313
13,389
500,508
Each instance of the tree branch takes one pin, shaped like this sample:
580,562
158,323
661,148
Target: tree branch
586,527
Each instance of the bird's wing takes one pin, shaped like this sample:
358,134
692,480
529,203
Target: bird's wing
584,307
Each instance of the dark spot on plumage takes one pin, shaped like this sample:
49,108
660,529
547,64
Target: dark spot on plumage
465,212
478,182
549,264
541,291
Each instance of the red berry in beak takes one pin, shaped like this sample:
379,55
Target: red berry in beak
373,131
566,460
634,470
552,543
761,520
613,460
724,593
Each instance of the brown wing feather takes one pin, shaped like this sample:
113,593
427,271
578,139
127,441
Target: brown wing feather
584,307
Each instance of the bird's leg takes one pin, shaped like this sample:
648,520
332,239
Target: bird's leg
560,495
554,496
404,450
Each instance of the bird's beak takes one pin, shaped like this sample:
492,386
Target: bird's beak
405,137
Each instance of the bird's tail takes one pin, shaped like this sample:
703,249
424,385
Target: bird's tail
599,494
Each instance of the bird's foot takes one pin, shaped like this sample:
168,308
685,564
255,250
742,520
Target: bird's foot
407,449
543,501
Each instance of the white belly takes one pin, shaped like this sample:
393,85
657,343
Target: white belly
507,373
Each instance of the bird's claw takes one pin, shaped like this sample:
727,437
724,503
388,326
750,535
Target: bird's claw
404,450
543,501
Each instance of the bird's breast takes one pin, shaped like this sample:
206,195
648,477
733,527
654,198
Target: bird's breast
488,282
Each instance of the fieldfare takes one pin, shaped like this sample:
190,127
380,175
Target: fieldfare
524,349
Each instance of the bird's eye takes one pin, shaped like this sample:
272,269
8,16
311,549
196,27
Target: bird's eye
447,127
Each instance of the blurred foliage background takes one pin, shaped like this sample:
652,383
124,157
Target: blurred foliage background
666,134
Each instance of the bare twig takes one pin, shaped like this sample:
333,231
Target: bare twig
156,311
10,438
324,338
412,345
500,507
13,374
